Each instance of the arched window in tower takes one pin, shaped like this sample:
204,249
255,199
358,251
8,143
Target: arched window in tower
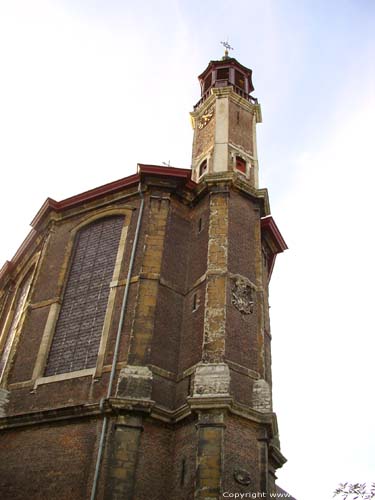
15,321
79,327
241,164
203,168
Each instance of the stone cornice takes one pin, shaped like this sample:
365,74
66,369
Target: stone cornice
211,182
114,406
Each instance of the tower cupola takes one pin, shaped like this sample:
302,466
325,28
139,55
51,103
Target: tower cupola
226,72
224,121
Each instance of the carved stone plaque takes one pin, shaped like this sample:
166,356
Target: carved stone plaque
243,296
211,379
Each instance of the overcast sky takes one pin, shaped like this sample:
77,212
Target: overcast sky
90,88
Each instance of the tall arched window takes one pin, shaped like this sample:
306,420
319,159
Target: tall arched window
79,326
10,332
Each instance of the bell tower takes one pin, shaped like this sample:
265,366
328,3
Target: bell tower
224,122
135,337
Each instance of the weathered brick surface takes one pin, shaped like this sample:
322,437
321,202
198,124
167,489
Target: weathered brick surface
198,241
167,329
241,387
163,391
241,341
240,127
184,460
192,332
53,462
243,220
179,232
155,462
28,346
242,450
79,390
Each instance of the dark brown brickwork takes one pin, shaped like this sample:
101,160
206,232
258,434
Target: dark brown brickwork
241,127
79,327
28,348
243,218
168,322
198,242
241,387
51,462
242,451
184,460
191,339
155,462
80,391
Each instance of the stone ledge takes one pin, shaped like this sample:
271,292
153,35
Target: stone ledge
114,406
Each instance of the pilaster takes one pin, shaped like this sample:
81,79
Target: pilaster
143,325
126,440
210,459
216,287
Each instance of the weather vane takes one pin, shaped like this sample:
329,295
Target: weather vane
227,47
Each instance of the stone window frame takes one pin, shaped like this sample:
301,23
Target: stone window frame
203,168
29,269
49,330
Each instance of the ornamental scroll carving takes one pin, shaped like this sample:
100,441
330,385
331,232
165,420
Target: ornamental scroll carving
243,294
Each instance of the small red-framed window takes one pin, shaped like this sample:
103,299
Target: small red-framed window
203,168
241,164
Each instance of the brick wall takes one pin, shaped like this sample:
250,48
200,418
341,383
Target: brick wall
52,462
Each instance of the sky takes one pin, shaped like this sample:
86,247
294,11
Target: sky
88,89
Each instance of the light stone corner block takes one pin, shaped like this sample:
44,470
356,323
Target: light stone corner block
135,382
262,399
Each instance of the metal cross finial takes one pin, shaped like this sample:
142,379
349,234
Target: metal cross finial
227,47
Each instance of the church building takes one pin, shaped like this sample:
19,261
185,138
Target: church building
135,341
